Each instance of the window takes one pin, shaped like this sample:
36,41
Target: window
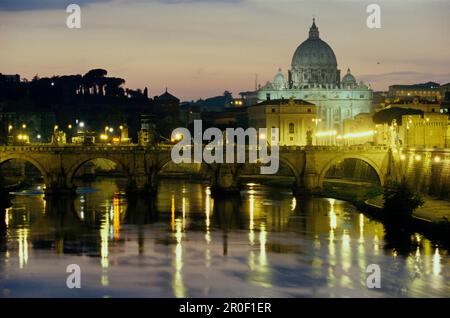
361,96
309,110
268,96
273,110
291,128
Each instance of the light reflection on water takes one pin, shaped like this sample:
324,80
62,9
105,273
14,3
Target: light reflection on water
187,244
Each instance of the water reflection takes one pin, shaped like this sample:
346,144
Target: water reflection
184,243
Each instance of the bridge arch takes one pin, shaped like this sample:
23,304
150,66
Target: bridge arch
283,163
158,165
326,167
295,170
30,160
79,163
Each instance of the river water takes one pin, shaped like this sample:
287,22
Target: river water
184,243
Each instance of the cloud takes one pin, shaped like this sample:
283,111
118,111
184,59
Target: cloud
382,81
196,1
30,5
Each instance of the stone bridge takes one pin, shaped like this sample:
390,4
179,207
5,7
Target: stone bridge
141,165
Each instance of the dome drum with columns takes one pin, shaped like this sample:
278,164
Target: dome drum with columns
314,63
314,76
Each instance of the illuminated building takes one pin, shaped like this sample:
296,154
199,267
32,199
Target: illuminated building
315,78
427,130
293,117
362,126
430,91
419,104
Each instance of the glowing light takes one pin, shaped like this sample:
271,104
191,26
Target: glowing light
208,212
436,262
23,247
22,137
358,135
178,284
333,218
116,218
262,136
402,157
7,217
104,244
326,133
437,159
262,245
24,126
251,225
103,137
346,251
121,127
183,211
293,204
38,136
172,213
177,137
69,126
81,124
55,127
361,228
376,244
111,130
418,157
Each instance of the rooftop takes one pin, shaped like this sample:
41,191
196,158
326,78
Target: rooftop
285,101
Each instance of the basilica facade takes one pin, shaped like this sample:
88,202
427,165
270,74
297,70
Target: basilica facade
314,77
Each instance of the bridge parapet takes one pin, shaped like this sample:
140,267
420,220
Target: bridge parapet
79,148
354,148
58,164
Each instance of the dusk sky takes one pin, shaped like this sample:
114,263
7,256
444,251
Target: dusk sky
199,48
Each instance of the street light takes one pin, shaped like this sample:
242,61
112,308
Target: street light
317,121
178,137
24,126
